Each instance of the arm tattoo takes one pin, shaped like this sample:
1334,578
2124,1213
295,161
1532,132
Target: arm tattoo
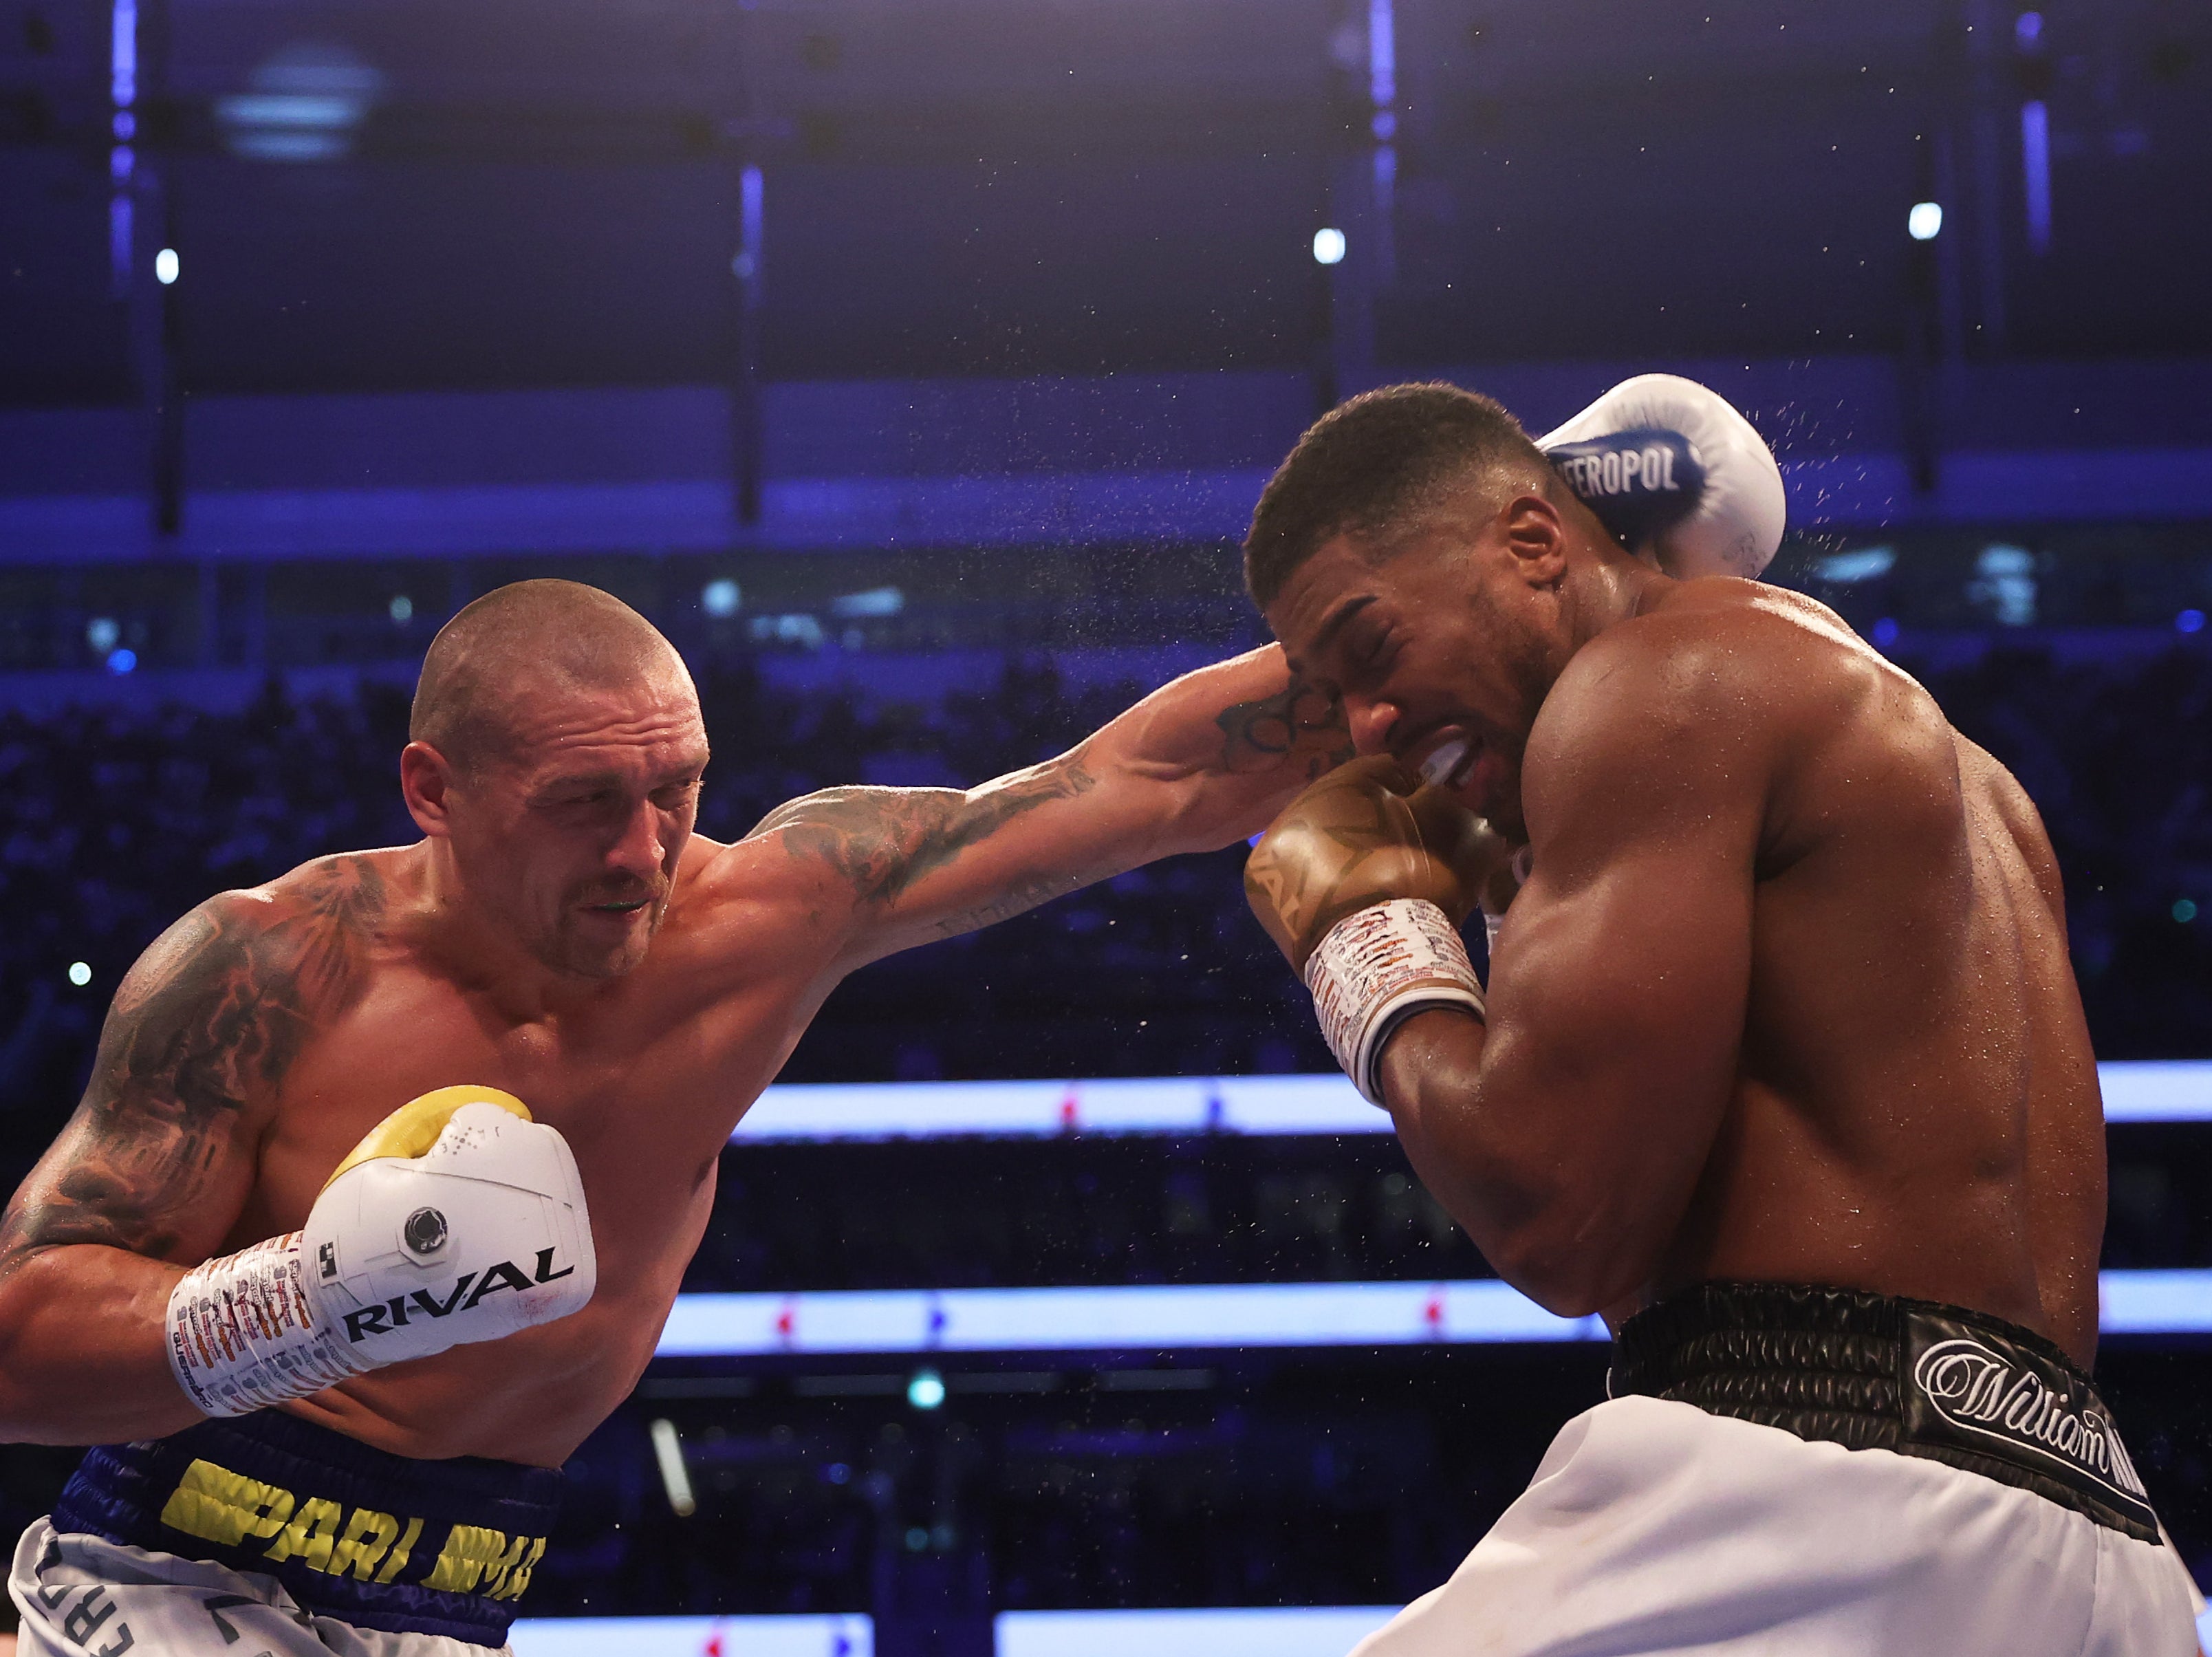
209,1022
1298,725
884,839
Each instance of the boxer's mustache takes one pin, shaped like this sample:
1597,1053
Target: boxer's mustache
625,893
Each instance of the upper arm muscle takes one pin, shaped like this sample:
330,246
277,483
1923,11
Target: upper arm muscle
1618,990
159,1155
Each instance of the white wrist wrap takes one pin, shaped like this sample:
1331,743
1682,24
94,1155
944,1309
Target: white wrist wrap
243,1335
1376,969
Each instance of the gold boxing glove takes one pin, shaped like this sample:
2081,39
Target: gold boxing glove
1362,882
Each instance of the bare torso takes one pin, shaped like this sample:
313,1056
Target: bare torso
645,1080
1785,998
1915,1108
260,1038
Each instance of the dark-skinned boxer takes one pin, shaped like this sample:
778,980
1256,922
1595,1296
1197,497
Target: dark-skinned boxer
1780,1065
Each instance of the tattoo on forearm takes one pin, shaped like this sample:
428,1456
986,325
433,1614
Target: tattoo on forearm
884,839
1297,725
209,1022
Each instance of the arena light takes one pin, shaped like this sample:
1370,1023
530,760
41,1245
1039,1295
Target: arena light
2141,1090
720,598
838,1635
1860,564
674,1477
2035,162
1225,1631
165,266
927,1390
80,972
875,602
1214,1631
1137,1318
1466,1311
1925,222
401,608
307,101
1328,246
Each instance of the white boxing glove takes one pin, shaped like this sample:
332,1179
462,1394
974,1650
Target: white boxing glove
1667,464
458,1219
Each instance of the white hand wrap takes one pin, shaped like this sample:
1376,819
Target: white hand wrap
242,1335
458,1220
1376,969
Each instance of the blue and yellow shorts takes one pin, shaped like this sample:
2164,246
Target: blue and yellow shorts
378,1541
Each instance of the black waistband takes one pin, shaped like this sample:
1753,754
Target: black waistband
1873,1372
379,1541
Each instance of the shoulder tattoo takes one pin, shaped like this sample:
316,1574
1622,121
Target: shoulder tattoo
207,1022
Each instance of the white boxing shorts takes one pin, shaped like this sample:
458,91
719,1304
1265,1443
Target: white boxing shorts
1987,1508
84,1596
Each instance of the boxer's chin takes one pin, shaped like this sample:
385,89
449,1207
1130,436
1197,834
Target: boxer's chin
594,943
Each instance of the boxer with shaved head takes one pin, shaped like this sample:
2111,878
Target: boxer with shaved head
389,1170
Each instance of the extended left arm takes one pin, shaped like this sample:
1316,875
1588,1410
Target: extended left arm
1205,761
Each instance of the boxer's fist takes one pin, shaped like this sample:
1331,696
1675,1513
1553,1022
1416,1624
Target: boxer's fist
1363,882
1364,833
1669,466
458,1219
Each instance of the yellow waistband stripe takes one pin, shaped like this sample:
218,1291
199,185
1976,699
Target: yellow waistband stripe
229,1509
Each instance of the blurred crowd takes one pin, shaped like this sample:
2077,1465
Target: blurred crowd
1272,1482
113,822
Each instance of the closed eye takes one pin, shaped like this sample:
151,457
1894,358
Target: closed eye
675,794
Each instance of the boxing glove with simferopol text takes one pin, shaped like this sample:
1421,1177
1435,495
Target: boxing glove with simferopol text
1668,465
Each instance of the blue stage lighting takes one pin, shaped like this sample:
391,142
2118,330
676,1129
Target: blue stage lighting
1924,221
122,661
927,1390
1328,246
2190,620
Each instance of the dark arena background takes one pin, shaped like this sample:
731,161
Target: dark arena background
916,367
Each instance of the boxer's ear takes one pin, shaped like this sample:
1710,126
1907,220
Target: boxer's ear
425,778
1535,537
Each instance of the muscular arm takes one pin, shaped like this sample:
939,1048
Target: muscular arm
152,1170
1568,1136
1205,761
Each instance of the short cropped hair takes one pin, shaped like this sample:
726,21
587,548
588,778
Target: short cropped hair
1369,465
519,641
